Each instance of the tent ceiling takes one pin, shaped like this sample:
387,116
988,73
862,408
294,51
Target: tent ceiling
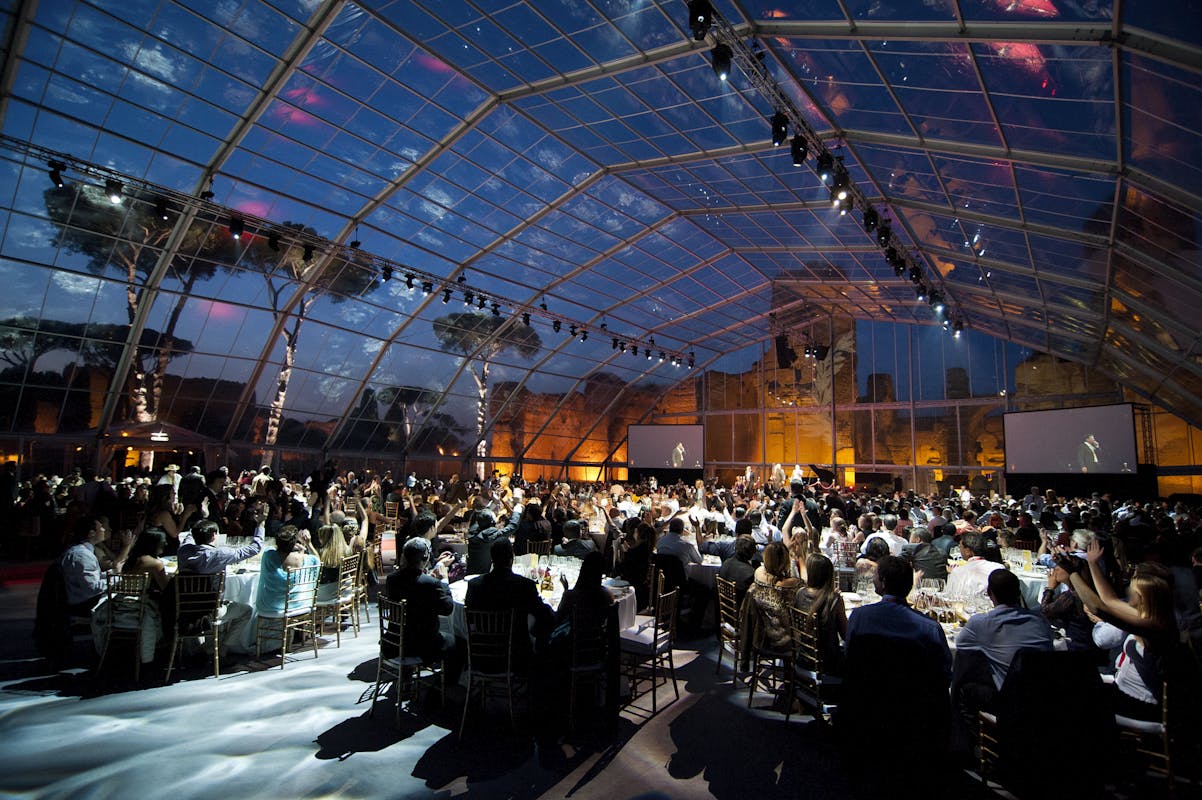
1040,157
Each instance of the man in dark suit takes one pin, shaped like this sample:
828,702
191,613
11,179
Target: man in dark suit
501,590
1089,454
574,544
925,556
427,598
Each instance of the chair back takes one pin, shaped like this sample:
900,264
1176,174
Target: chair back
377,552
125,592
195,597
392,627
845,552
589,638
302,589
392,513
490,641
541,547
665,620
348,575
808,656
728,603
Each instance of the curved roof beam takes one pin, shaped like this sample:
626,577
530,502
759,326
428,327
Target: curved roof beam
310,35
1102,34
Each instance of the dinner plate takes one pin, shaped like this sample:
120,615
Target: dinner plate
616,583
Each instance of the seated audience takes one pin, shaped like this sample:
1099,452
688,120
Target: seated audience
574,544
81,571
427,599
766,607
971,577
738,568
925,557
481,540
289,553
501,590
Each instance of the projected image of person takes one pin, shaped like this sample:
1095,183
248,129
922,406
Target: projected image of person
1089,454
677,459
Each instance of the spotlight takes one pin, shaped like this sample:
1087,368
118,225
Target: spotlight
114,189
799,150
692,359
273,241
883,234
780,128
614,343
824,165
237,228
621,347
871,218
661,356
584,335
161,210
496,309
721,58
572,331
556,325
920,291
469,297
427,287
936,301
543,304
408,281
355,243
648,352
446,296
916,275
701,17
56,173
480,302
386,273
957,329
634,349
604,326
207,195
892,258
462,279
308,254
526,319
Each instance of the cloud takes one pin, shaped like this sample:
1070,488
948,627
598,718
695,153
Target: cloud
75,284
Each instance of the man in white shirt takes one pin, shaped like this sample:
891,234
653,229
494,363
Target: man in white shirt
888,533
971,578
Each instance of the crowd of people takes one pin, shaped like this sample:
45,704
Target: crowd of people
1122,577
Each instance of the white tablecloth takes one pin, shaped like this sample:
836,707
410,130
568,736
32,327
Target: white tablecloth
457,622
706,572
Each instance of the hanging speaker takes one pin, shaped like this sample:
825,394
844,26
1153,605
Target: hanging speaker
784,354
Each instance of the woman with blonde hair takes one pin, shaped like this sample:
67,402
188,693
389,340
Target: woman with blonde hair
1151,627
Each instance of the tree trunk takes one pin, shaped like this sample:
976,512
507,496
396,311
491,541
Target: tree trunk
481,416
291,338
166,344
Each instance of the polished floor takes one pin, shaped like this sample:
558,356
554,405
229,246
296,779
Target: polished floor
304,731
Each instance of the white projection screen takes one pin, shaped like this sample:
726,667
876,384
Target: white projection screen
1057,441
665,446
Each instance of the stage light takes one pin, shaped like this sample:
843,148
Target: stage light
584,335
780,128
824,165
386,273
621,347
237,228
604,326
526,318
469,297
871,218
462,279
720,56
556,325
408,281
957,329
634,349
573,330
883,234
615,343
446,296
661,356
936,301
920,291
308,255
543,304
648,352
701,17
273,241
114,189
481,301
161,210
427,288
496,309
799,150
916,275
692,359
56,173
